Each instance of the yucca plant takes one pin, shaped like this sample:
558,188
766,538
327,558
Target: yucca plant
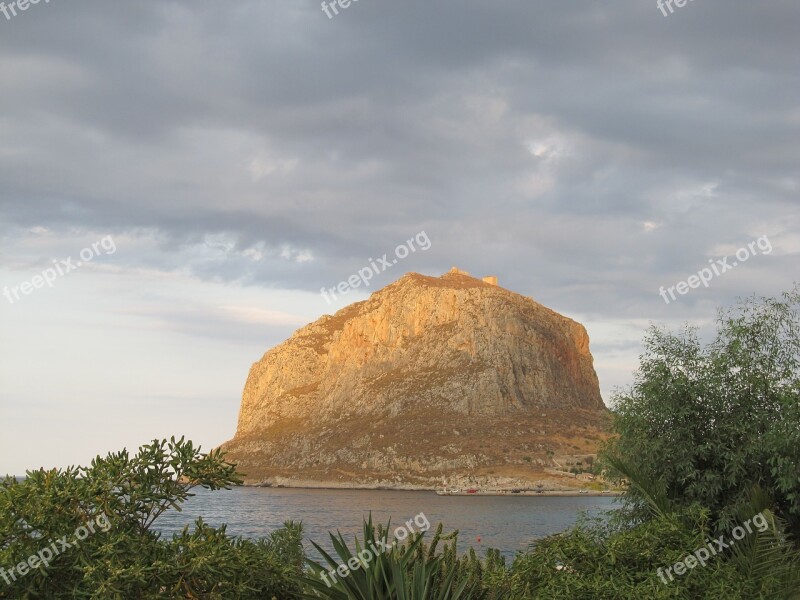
392,571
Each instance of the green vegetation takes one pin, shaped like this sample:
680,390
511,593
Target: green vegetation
412,570
708,439
707,423
128,559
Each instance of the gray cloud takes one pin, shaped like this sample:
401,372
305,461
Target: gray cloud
533,140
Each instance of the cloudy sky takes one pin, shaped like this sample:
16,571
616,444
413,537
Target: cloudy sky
227,160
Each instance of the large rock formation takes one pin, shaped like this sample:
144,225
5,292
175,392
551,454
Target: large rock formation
428,380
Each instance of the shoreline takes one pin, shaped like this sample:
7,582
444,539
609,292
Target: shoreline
568,493
440,492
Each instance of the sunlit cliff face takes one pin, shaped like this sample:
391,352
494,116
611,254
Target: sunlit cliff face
422,356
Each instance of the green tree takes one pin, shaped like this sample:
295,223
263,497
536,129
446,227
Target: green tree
708,423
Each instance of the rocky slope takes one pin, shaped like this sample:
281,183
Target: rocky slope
430,381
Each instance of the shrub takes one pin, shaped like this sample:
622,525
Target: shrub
711,421
127,559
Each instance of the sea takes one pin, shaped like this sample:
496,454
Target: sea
508,523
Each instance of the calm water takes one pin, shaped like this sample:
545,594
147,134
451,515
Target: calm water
505,522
